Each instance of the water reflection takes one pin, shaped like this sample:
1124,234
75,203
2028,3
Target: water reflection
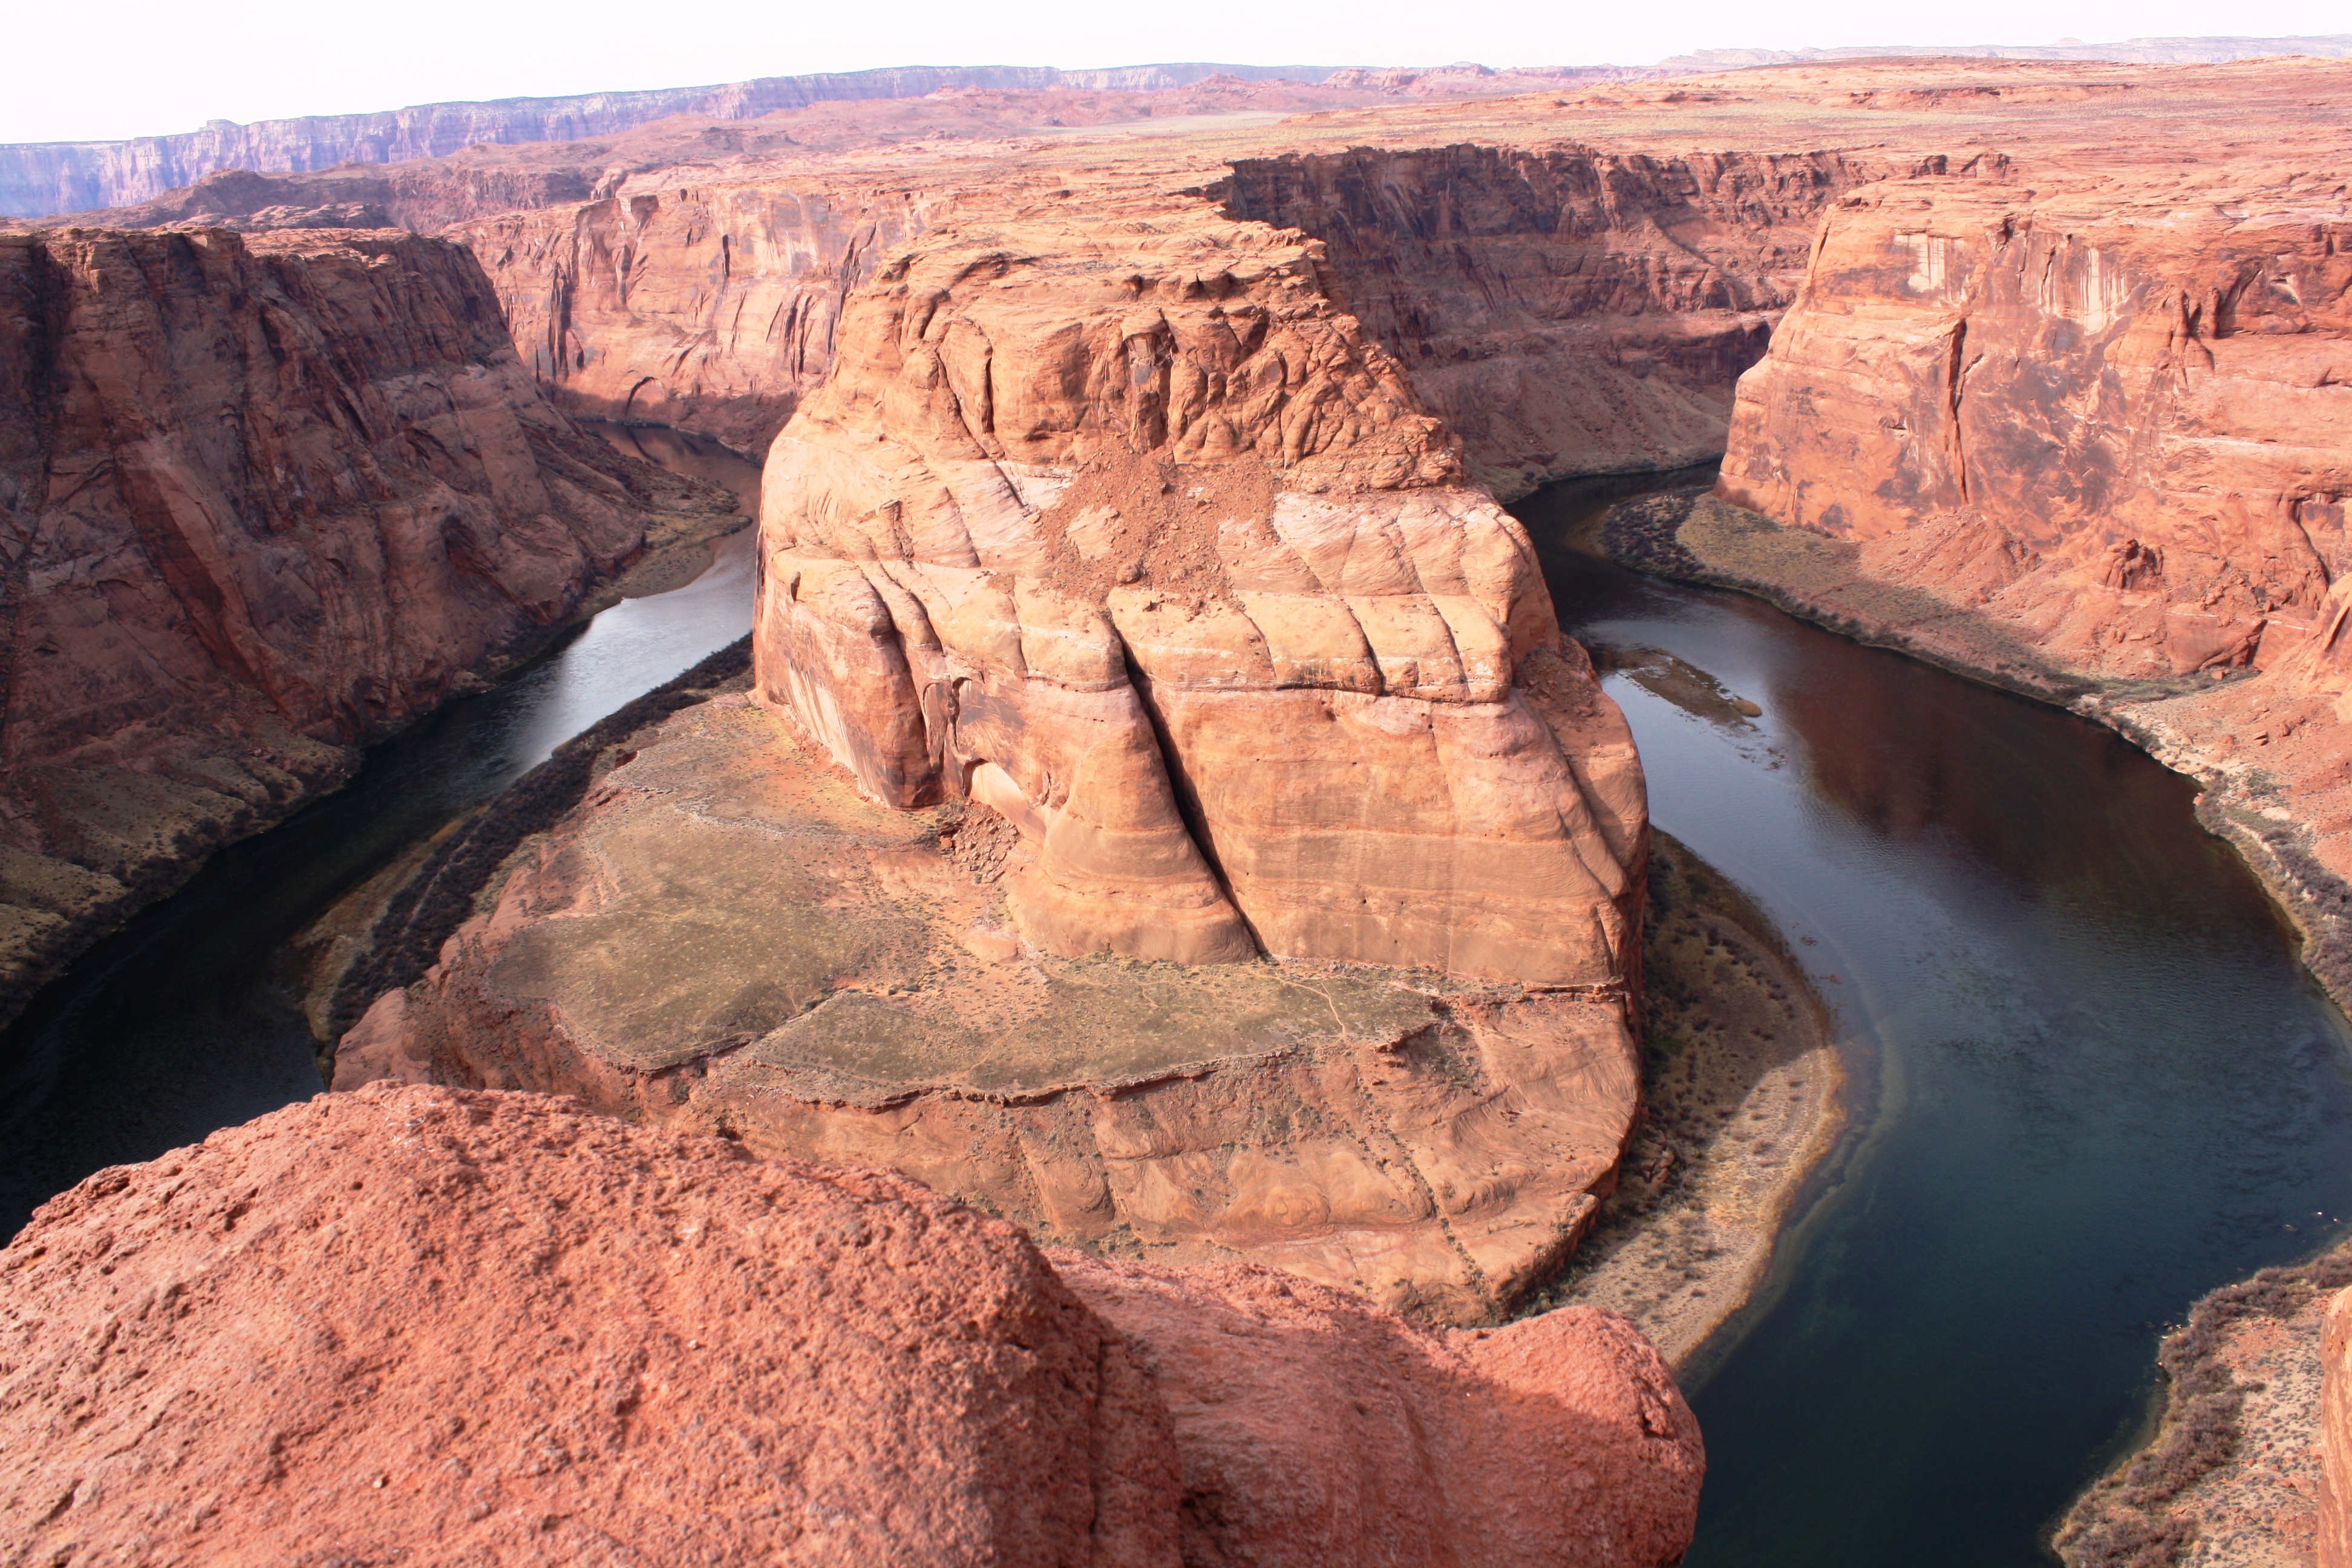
184,1022
2103,1085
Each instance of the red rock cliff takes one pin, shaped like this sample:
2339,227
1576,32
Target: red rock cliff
265,501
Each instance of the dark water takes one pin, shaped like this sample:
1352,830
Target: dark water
185,1021
2096,1084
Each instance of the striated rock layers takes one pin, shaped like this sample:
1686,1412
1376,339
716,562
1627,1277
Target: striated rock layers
2335,1532
264,500
1146,547
445,1327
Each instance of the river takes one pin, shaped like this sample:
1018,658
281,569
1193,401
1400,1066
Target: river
2093,1082
186,1020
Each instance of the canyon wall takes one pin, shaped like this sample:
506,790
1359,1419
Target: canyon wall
2114,426
2092,438
264,501
285,1342
2336,1435
1567,309
709,305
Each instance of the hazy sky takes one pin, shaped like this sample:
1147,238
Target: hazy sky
138,66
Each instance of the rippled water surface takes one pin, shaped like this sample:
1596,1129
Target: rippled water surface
184,1022
2093,1083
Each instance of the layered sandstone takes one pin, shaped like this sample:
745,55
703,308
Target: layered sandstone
1567,308
2334,1527
301,1337
266,501
1142,544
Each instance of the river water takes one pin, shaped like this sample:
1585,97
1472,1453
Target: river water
186,1020
2090,1081
2093,1082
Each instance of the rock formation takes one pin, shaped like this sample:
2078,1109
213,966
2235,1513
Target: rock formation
1144,546
265,501
451,1326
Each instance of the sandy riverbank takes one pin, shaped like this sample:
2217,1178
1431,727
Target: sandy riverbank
1741,1080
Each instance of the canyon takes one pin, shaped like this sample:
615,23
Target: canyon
1163,810
40,178
267,499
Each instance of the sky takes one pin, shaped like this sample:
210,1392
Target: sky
138,66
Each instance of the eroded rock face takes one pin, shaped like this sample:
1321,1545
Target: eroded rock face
265,501
303,1337
1315,1428
2109,422
2083,427
729,935
1144,545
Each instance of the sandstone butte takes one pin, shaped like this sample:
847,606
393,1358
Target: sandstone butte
1120,569
439,1327
264,500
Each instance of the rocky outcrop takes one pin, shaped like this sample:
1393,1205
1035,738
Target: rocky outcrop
264,501
1567,309
2237,1470
300,1336
1145,546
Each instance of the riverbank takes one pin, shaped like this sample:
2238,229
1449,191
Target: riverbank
2229,1477
2282,810
1741,1085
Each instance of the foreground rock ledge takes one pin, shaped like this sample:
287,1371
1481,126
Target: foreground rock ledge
729,936
435,1327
